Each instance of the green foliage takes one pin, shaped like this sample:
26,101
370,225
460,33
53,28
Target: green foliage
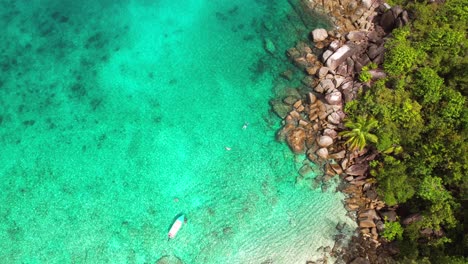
431,189
371,66
395,149
453,11
451,260
453,106
360,132
407,260
392,231
401,56
352,107
422,114
394,184
428,85
444,37
440,213
440,31
365,76
396,112
395,2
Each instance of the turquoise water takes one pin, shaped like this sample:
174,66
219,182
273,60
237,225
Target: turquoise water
116,116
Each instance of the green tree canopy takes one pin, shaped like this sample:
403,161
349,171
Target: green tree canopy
422,114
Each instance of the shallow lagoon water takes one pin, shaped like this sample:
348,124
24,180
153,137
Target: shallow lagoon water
115,116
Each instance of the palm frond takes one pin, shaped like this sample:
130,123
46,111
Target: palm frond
372,138
359,132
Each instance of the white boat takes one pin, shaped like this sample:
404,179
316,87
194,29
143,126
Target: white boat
176,226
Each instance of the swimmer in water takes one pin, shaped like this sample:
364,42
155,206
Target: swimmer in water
245,125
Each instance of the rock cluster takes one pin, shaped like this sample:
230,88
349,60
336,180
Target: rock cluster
312,120
347,15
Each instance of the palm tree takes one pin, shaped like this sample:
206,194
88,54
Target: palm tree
359,133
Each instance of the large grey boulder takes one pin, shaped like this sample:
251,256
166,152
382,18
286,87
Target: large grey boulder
390,216
338,155
322,72
377,74
387,21
367,3
360,260
375,50
356,35
325,85
397,10
357,169
322,153
340,56
405,17
338,80
334,118
369,214
330,132
327,54
319,34
334,98
366,223
311,98
334,45
342,69
411,219
324,141
347,89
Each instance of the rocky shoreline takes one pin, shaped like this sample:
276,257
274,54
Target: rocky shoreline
332,62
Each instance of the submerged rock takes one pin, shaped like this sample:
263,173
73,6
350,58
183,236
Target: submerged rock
280,108
340,226
305,170
169,259
296,140
270,46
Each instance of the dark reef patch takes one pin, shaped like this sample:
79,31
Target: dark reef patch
78,90
95,103
58,17
29,122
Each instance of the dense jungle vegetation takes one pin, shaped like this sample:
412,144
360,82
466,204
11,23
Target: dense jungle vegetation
421,117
